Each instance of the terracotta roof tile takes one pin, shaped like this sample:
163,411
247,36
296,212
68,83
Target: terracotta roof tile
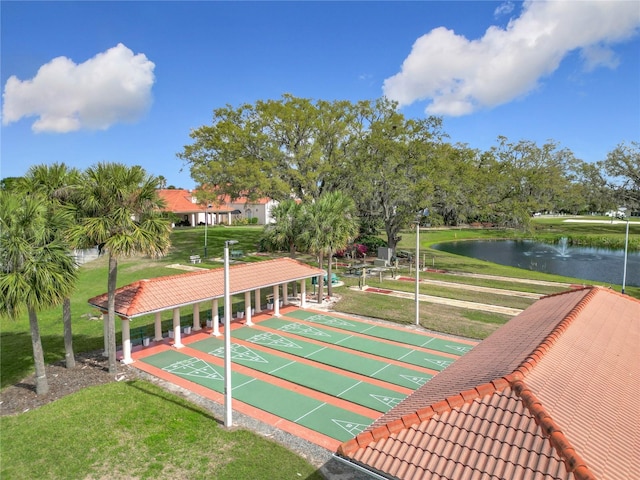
162,293
556,396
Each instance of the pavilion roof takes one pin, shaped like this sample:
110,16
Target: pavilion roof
164,293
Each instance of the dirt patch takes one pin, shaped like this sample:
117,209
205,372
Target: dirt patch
91,369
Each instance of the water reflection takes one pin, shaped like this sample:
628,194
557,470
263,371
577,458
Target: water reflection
596,264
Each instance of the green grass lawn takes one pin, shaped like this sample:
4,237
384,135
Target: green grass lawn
137,430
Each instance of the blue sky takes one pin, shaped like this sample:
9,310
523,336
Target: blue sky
85,82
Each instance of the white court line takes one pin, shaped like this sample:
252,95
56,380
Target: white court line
310,412
280,367
313,353
380,370
345,338
352,386
428,341
243,384
408,353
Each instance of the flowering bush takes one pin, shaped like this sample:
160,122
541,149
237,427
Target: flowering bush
355,250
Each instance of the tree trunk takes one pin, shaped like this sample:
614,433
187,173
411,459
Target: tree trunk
42,386
68,335
329,282
111,314
320,279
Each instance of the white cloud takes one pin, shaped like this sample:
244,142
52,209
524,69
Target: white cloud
114,86
460,76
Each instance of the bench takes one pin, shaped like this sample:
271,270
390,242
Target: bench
195,259
236,253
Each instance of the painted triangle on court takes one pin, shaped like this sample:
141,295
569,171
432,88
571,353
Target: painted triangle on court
351,427
272,339
326,320
385,400
440,363
417,380
193,367
303,329
459,348
240,352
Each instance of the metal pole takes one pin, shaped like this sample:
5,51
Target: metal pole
417,273
228,421
626,246
206,221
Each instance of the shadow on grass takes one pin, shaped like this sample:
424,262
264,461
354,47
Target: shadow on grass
145,387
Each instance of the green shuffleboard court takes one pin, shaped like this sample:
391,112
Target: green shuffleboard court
331,383
335,422
361,344
379,331
404,376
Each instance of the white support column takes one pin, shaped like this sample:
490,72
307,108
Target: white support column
158,327
247,308
285,294
276,300
177,337
215,318
256,301
303,293
196,317
126,342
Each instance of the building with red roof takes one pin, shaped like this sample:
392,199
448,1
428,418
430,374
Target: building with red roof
552,394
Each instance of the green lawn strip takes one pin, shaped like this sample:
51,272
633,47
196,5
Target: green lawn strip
134,429
404,376
314,414
408,338
367,345
331,383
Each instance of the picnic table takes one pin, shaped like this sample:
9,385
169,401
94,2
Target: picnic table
195,259
357,269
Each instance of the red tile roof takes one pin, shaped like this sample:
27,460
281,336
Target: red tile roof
180,201
551,394
163,293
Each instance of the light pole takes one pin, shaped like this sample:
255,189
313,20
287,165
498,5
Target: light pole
423,213
227,338
206,222
626,246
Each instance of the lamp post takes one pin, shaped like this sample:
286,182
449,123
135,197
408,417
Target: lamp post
423,213
227,338
206,222
626,246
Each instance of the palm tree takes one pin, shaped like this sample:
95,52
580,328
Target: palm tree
120,212
284,233
58,183
36,270
341,214
329,224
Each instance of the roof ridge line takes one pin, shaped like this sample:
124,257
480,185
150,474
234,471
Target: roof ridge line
139,285
573,462
539,352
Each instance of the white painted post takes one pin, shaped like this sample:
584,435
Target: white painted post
276,301
247,308
196,317
303,293
158,327
177,339
285,294
215,318
256,301
126,342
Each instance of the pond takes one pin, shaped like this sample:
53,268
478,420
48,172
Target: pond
596,264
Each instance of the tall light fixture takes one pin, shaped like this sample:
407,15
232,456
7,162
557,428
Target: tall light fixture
421,214
626,247
206,222
228,422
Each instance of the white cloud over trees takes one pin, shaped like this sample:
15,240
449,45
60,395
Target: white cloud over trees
459,76
114,86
